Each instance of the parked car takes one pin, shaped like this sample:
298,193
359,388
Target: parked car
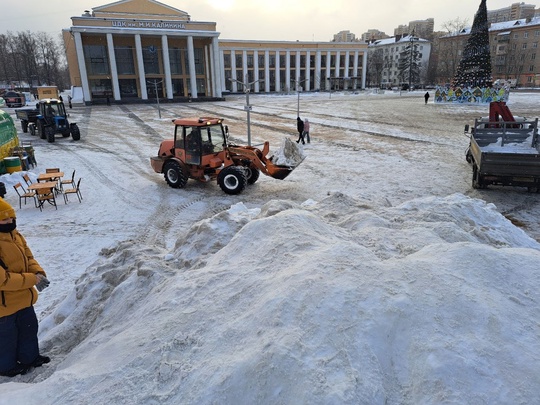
14,99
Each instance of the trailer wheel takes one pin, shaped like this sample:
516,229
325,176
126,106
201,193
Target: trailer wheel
49,131
174,174
75,132
232,179
468,155
477,180
252,174
24,125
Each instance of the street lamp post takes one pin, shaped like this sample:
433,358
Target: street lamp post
247,107
155,83
298,86
411,60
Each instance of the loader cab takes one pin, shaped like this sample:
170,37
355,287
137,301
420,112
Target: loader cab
199,141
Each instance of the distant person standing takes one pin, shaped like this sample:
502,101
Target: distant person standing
60,98
69,102
426,96
300,128
306,130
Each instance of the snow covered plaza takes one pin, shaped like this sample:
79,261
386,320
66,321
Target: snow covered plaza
373,274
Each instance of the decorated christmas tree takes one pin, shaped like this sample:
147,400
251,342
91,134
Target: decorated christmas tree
475,65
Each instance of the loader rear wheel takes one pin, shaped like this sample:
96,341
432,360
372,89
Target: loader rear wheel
232,179
174,175
252,174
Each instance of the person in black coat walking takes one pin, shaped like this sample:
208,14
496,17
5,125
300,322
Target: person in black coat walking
426,96
300,128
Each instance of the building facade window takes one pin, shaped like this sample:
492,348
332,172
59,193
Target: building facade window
97,59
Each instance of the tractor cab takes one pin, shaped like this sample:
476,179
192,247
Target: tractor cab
200,140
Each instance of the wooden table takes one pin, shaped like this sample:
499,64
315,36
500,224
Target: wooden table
42,189
50,176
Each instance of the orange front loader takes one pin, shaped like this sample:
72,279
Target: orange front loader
201,150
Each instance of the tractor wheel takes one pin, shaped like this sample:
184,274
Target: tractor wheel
24,125
41,129
232,179
174,174
50,134
75,132
32,128
252,174
66,133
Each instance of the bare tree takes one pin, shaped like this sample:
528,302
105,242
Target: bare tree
456,25
375,67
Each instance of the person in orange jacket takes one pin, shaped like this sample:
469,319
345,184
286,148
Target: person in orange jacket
21,277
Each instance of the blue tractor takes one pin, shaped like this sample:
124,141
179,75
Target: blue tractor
52,119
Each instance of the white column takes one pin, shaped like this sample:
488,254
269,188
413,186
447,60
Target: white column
87,96
346,70
256,70
297,73
245,77
140,65
318,70
233,72
364,64
167,67
338,61
328,71
355,69
308,71
278,73
112,64
222,72
267,71
191,63
288,71
217,68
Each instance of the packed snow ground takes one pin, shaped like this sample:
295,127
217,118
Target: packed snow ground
373,274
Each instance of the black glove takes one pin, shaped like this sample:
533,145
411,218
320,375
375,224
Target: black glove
42,283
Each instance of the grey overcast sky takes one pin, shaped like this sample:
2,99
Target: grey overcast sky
288,20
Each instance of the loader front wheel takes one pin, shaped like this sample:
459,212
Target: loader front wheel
232,179
174,175
252,174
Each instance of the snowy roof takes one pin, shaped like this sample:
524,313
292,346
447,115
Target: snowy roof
505,25
392,40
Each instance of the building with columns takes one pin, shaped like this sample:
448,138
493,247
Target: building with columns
130,49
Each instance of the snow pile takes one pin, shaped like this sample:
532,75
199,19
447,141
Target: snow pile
340,301
289,154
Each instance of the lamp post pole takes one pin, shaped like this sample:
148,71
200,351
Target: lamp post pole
411,60
155,83
247,107
298,86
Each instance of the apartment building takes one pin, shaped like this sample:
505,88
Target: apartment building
516,11
514,52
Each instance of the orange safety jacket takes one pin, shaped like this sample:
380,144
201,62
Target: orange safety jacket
18,270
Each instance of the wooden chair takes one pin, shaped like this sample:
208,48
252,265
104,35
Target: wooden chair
22,193
52,170
27,180
76,190
43,196
70,182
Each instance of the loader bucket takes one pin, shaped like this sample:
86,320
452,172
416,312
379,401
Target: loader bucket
278,172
